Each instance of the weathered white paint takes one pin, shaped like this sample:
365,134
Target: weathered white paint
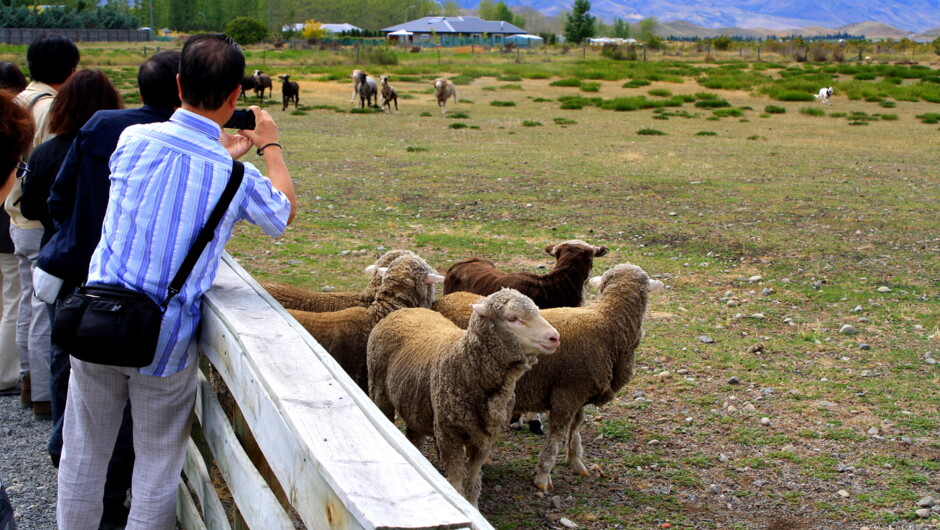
213,513
186,510
341,463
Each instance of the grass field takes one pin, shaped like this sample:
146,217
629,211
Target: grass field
772,228
773,220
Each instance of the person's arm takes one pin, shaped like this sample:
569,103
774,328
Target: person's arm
266,132
62,193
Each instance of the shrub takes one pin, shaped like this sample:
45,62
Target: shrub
888,104
727,113
246,30
383,55
511,86
660,92
591,86
650,132
706,133
542,100
457,115
812,111
712,103
367,110
790,95
412,149
888,117
574,102
425,114
458,125
568,81
775,109
705,96
503,103
298,112
564,121
635,83
530,123
929,118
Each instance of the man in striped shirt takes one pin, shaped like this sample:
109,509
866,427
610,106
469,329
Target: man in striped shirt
165,180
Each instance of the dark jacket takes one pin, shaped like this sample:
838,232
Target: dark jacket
79,195
44,164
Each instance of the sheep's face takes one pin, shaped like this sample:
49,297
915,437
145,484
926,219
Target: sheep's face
519,314
440,84
384,79
284,77
410,277
576,245
384,261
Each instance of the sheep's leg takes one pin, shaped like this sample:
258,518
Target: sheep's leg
476,456
549,453
574,450
450,450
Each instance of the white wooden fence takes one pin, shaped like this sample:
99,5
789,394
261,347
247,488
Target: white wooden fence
337,461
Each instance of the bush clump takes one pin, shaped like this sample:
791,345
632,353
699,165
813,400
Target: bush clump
775,109
498,103
812,111
712,103
651,132
530,123
660,93
568,82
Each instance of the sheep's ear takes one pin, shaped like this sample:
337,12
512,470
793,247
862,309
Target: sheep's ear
481,309
382,271
595,282
371,269
550,250
656,285
432,278
600,251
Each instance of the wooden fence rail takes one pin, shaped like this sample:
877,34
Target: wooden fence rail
337,460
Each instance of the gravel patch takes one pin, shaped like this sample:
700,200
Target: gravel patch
27,472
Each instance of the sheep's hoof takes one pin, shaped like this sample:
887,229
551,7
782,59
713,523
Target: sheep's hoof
535,427
544,484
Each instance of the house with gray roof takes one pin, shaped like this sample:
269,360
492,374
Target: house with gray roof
453,31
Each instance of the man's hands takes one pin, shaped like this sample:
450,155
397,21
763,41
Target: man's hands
265,132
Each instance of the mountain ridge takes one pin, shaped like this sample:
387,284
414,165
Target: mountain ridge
908,16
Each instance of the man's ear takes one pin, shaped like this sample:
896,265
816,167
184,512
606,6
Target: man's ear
179,87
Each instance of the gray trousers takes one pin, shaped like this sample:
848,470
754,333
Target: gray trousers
10,362
33,327
162,410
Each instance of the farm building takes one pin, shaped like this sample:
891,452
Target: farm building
525,41
453,31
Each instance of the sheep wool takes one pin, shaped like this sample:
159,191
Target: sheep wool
319,302
344,334
453,384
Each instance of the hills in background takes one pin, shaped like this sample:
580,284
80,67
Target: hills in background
873,19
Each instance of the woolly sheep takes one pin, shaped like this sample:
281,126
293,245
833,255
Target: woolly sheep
366,88
262,81
389,94
563,286
290,91
443,90
356,76
453,384
344,334
292,297
593,363
248,83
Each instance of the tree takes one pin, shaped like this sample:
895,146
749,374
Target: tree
312,31
580,25
646,28
621,29
246,30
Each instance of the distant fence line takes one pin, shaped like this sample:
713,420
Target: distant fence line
28,35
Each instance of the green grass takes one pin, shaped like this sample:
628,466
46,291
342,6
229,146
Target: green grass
498,103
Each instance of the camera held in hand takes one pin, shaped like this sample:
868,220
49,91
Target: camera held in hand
241,119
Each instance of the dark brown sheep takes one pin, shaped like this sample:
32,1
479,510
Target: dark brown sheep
563,286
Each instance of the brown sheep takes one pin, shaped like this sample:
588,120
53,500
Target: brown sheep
389,94
453,384
344,334
563,286
262,82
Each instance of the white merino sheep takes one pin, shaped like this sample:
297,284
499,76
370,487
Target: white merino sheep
824,95
366,87
443,90
407,282
356,76
593,363
292,297
453,384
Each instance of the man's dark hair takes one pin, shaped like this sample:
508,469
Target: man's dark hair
211,68
156,80
11,78
51,58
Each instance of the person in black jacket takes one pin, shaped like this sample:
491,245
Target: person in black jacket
77,203
84,94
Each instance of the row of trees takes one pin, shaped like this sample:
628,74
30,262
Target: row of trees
67,18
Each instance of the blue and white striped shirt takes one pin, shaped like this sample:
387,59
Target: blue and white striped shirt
165,180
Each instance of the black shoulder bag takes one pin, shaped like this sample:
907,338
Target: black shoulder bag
117,326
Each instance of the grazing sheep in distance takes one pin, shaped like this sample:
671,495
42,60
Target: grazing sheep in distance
388,94
344,334
453,384
356,76
262,81
290,90
248,83
292,297
868,59
824,95
563,286
443,90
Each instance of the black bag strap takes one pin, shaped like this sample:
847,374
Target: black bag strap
207,232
